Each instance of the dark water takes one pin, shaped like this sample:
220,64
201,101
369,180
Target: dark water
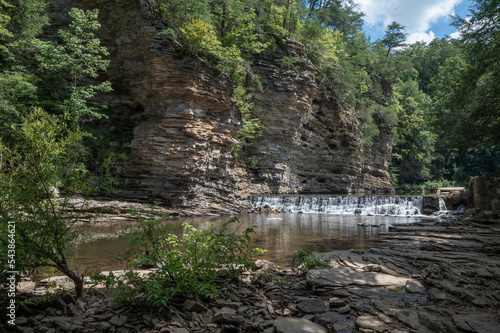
280,234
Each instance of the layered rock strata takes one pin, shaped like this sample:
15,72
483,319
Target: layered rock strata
310,143
183,120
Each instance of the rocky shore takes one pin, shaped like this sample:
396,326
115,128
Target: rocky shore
433,277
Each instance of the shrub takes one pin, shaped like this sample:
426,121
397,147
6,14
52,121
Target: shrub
200,38
187,265
305,260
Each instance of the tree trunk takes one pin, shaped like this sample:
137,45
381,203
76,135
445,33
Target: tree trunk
77,279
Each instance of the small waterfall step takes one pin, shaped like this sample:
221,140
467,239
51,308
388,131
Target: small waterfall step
362,205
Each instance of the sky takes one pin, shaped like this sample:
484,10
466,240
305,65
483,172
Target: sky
424,19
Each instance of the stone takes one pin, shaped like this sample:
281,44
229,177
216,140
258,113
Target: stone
208,317
313,306
372,268
482,322
333,319
413,286
68,299
21,321
26,286
119,320
344,309
194,306
180,330
347,276
297,325
228,317
60,304
64,323
105,326
336,302
244,291
368,322
72,309
228,304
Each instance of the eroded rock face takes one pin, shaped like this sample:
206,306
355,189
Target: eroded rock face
182,120
310,143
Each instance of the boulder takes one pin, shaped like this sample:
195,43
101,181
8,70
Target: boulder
297,325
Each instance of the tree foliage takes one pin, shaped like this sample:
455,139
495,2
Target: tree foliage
41,151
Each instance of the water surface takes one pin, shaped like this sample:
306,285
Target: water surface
280,234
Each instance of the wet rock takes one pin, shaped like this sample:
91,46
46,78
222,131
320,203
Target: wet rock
297,325
313,305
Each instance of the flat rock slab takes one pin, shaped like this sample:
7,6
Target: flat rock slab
482,322
313,306
297,325
346,276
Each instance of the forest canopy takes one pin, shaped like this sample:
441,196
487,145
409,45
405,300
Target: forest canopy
441,99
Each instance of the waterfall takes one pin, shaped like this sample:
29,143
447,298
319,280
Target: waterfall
442,205
442,208
363,205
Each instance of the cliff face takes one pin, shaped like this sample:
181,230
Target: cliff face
184,120
310,143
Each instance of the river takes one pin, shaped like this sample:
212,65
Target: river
280,234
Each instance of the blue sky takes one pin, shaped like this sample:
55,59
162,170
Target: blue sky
424,19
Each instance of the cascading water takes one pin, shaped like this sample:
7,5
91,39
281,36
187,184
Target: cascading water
442,208
362,205
442,205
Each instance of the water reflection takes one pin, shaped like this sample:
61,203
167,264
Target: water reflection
280,234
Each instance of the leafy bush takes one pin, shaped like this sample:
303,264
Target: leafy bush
200,38
306,260
47,155
187,265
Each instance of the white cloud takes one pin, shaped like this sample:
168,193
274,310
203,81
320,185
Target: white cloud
421,37
456,35
417,16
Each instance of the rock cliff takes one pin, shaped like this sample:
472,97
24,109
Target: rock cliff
310,142
183,121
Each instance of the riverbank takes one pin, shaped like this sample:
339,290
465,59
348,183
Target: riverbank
434,277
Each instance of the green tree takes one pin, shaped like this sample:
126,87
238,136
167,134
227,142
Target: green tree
477,100
41,151
394,37
77,59
414,146
46,155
